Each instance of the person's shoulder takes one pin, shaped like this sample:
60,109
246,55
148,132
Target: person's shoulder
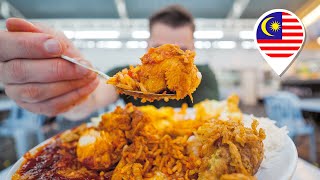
204,68
114,70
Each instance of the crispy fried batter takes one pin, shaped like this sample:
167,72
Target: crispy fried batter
101,149
164,69
228,147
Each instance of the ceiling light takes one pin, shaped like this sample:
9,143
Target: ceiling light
109,44
246,35
96,34
224,44
312,16
208,34
136,44
69,34
248,45
202,44
140,34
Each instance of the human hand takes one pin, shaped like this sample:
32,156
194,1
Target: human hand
34,75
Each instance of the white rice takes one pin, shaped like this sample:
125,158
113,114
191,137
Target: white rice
275,138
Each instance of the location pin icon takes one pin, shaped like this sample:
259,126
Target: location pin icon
279,36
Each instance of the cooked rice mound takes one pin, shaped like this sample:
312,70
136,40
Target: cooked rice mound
149,143
165,69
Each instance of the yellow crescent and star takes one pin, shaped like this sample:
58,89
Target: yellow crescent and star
274,26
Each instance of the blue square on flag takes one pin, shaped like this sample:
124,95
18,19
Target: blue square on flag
270,27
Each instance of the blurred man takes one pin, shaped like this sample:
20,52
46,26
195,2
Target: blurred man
39,81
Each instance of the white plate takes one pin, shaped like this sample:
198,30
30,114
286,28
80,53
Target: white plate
283,164
282,167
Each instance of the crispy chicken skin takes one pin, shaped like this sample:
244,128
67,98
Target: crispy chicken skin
164,69
229,148
101,149
169,67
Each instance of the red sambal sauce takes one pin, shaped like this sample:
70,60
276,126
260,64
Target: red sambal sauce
57,160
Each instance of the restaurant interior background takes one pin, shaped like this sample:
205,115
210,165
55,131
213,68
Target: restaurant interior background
111,33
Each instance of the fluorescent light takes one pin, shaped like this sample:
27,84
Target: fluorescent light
208,34
96,34
91,44
202,44
132,44
140,34
136,44
69,34
248,45
312,16
224,44
109,44
246,35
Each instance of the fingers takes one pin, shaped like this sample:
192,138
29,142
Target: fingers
38,92
61,103
28,45
22,71
21,25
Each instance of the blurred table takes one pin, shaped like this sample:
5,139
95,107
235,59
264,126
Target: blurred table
304,171
310,104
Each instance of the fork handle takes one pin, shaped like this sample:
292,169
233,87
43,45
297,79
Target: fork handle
101,74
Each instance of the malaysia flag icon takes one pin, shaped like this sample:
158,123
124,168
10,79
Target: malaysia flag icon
280,36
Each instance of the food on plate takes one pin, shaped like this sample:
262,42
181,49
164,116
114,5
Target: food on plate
150,143
227,147
164,70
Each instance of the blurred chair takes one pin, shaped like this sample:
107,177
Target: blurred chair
284,108
21,125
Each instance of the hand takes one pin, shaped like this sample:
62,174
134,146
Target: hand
34,75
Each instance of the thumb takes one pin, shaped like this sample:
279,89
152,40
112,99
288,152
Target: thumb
21,25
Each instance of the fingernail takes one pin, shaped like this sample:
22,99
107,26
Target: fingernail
52,46
92,75
82,70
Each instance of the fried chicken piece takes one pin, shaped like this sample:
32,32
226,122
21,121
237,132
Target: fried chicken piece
167,120
228,147
100,150
164,69
224,110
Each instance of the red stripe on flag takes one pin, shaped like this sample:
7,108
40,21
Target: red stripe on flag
292,34
279,41
279,48
284,13
291,27
279,55
289,20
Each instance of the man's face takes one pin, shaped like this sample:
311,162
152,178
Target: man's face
164,34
